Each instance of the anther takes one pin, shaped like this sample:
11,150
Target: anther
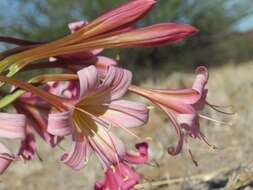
113,169
125,178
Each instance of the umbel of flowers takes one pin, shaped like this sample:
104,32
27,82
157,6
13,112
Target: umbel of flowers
85,99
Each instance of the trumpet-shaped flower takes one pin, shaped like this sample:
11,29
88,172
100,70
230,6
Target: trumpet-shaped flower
181,106
36,110
111,30
77,61
121,175
91,115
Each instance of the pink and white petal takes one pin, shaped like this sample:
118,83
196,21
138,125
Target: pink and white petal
141,157
88,78
117,80
172,117
78,155
6,157
190,123
12,125
75,26
201,79
186,96
28,146
126,113
37,119
60,123
103,63
122,80
108,147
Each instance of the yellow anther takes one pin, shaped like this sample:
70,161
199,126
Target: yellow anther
149,138
113,169
86,161
213,147
125,178
22,159
151,107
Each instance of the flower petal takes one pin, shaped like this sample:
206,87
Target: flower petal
60,124
121,79
156,34
108,147
5,158
190,123
126,113
201,79
28,146
118,177
37,119
12,125
78,155
172,116
75,26
122,15
103,63
88,78
138,159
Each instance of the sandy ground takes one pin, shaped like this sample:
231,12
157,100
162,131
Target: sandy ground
228,167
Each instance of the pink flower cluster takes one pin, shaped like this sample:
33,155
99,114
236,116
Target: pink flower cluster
85,100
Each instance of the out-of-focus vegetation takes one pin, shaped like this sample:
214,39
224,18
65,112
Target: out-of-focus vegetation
216,43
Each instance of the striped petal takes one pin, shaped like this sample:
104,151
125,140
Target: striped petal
117,80
88,78
60,124
108,147
78,155
103,63
201,79
12,125
28,146
126,114
141,157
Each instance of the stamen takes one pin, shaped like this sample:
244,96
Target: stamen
216,108
154,164
94,132
22,159
192,158
214,120
60,147
130,132
39,157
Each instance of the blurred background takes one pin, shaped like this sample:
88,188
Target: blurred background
224,44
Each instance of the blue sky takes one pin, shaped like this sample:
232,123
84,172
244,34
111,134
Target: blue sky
245,24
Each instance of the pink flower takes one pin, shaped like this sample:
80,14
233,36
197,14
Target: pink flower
36,111
122,176
12,127
91,115
181,106
77,61
111,30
